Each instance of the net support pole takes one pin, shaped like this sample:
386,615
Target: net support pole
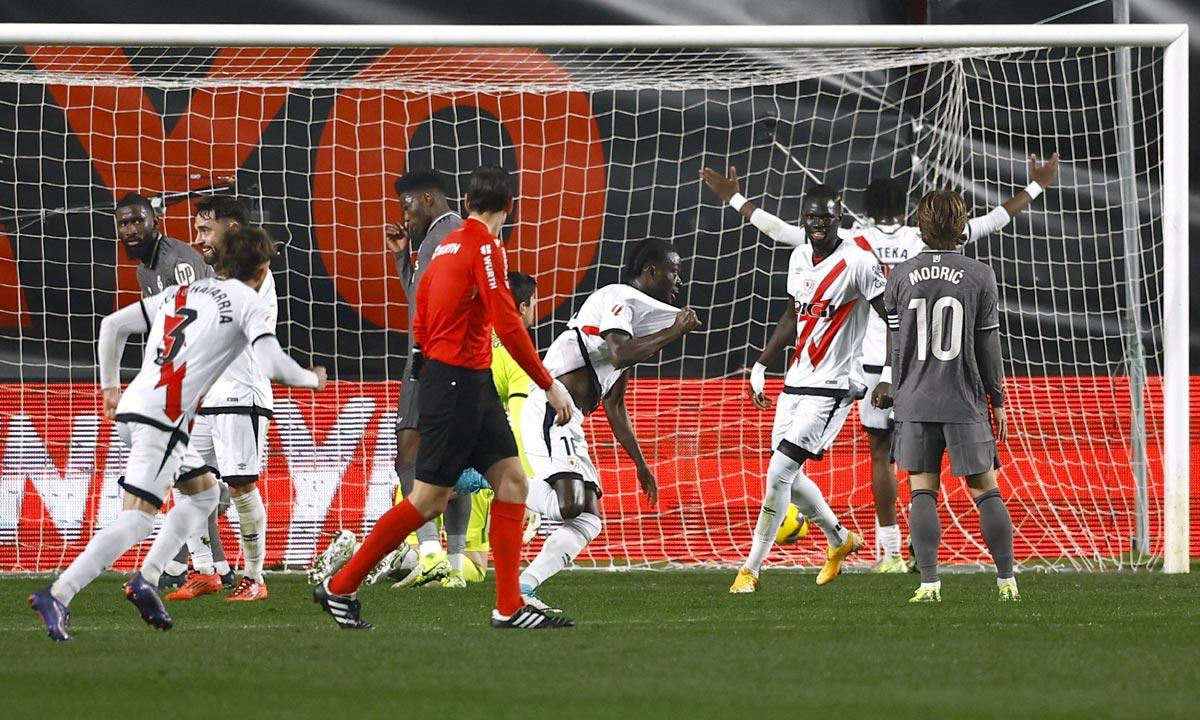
1135,356
1176,333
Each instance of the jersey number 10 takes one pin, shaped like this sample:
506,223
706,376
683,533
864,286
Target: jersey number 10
933,335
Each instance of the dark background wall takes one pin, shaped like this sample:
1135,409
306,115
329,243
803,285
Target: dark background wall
74,289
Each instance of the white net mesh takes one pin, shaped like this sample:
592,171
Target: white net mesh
607,145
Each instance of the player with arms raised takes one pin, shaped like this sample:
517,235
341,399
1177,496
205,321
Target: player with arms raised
617,327
462,424
833,285
943,310
892,241
194,332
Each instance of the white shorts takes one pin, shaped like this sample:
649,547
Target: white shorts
809,422
157,460
232,443
555,451
875,421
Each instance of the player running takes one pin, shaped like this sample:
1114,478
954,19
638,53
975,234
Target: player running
891,241
163,262
230,432
831,283
617,327
461,422
944,316
194,332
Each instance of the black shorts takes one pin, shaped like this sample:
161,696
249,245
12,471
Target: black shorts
462,423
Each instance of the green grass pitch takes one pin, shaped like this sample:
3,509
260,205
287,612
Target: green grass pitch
648,645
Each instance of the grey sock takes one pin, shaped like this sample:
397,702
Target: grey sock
926,531
407,473
456,518
996,528
181,557
215,539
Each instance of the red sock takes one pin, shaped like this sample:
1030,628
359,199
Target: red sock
389,532
505,538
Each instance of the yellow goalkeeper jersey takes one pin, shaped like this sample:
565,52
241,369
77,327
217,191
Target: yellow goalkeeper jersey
512,385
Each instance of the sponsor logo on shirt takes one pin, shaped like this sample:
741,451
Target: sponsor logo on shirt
185,274
819,309
447,249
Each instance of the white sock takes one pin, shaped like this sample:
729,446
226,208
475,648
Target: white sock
936,584
189,514
807,496
456,561
128,529
429,547
563,545
175,568
1001,582
252,526
780,473
198,544
888,539
221,567
543,500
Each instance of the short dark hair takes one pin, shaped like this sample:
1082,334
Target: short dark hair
243,252
135,200
490,189
224,207
650,251
886,198
822,191
523,287
425,179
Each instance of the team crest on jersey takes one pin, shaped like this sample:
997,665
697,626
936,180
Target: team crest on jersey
808,284
880,276
185,274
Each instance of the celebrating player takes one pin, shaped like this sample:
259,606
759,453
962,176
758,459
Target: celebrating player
230,432
831,283
891,241
617,327
461,422
944,316
195,331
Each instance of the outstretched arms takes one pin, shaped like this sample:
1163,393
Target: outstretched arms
1041,176
728,190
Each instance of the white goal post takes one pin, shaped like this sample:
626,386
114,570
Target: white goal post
1172,206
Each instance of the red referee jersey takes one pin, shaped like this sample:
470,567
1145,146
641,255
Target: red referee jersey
463,293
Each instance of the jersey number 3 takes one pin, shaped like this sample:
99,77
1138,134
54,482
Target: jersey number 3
171,376
938,334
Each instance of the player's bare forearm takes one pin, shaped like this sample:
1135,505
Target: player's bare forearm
783,336
626,351
618,420
991,368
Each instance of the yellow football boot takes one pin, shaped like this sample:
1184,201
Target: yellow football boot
745,582
834,557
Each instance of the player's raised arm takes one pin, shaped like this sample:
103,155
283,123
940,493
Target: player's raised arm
622,429
729,191
1041,176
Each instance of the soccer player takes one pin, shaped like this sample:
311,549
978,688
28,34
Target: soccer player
833,285
194,332
428,219
230,432
461,422
162,262
944,316
617,327
891,241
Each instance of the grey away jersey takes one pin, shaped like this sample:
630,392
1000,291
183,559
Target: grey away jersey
411,274
174,263
936,302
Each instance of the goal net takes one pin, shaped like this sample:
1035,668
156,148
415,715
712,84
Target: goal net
607,145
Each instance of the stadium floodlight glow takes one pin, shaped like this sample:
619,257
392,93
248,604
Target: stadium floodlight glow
608,127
